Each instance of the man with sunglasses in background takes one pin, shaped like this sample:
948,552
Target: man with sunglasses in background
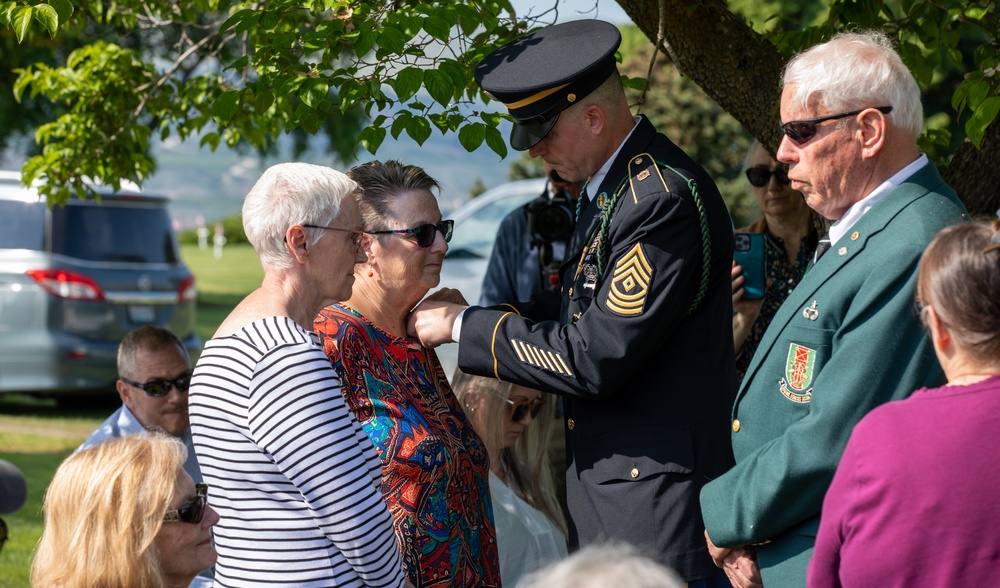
847,338
154,372
639,339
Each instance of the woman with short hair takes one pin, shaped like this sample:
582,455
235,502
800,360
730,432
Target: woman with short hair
294,476
434,466
124,512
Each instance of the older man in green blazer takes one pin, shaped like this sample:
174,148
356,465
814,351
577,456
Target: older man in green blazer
848,338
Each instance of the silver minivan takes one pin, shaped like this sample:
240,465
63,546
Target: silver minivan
74,279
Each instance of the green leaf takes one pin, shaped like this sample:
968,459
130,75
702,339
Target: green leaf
975,12
265,98
439,85
437,27
981,118
392,39
210,139
366,40
495,141
408,82
64,8
399,123
977,92
418,129
270,19
314,91
471,136
224,107
47,16
21,21
634,83
371,138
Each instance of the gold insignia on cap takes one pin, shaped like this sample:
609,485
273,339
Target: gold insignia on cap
534,97
571,97
540,358
630,283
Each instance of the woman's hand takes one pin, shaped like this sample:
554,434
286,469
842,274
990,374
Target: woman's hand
746,311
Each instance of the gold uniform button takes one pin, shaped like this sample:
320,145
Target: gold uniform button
736,426
571,291
634,473
570,424
855,235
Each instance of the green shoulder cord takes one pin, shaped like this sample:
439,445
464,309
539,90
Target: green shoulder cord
607,211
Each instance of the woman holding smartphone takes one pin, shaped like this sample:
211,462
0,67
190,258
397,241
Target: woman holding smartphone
790,238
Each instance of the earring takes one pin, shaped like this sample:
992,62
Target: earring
371,271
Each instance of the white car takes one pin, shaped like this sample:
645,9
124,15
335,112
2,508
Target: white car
476,224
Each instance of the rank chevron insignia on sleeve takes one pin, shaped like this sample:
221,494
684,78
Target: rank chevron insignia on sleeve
630,283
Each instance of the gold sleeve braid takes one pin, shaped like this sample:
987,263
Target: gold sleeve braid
493,345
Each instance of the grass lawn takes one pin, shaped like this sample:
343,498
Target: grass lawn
36,435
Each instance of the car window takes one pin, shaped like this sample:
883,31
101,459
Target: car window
114,233
475,234
22,225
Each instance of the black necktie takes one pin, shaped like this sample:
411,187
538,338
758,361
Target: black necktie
821,247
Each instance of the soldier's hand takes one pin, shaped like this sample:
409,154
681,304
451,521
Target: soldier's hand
448,295
432,320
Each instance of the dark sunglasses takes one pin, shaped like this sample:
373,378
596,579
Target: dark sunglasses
157,388
191,511
522,408
355,235
423,233
801,131
760,176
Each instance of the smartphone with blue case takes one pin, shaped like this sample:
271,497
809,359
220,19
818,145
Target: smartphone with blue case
749,254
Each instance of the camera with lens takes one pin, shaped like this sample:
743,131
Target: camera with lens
551,219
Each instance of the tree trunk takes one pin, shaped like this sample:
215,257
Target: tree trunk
741,71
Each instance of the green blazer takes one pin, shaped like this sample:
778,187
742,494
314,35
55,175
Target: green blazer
847,339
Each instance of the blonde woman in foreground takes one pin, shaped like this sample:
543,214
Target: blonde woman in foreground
125,513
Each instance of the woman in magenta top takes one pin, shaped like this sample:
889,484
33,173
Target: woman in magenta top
914,501
435,469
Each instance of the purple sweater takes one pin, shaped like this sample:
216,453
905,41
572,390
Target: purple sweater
916,497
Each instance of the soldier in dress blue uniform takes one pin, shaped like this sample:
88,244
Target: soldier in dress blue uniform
639,343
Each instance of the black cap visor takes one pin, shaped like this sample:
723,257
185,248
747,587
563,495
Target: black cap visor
526,136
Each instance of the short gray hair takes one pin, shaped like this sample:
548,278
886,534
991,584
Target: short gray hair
288,194
599,566
857,70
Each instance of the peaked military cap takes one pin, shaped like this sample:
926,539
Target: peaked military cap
541,74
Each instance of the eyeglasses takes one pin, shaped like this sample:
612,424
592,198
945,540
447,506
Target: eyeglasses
424,233
355,235
191,511
520,408
759,176
801,131
158,388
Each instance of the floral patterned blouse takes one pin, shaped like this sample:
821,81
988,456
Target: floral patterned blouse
435,469
784,274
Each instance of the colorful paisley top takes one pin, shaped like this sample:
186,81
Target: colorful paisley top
435,469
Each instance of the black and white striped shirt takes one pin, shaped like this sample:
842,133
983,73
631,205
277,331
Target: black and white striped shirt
291,473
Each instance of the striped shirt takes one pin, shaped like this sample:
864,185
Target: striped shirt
292,475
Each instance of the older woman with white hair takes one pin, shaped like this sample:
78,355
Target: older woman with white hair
293,475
